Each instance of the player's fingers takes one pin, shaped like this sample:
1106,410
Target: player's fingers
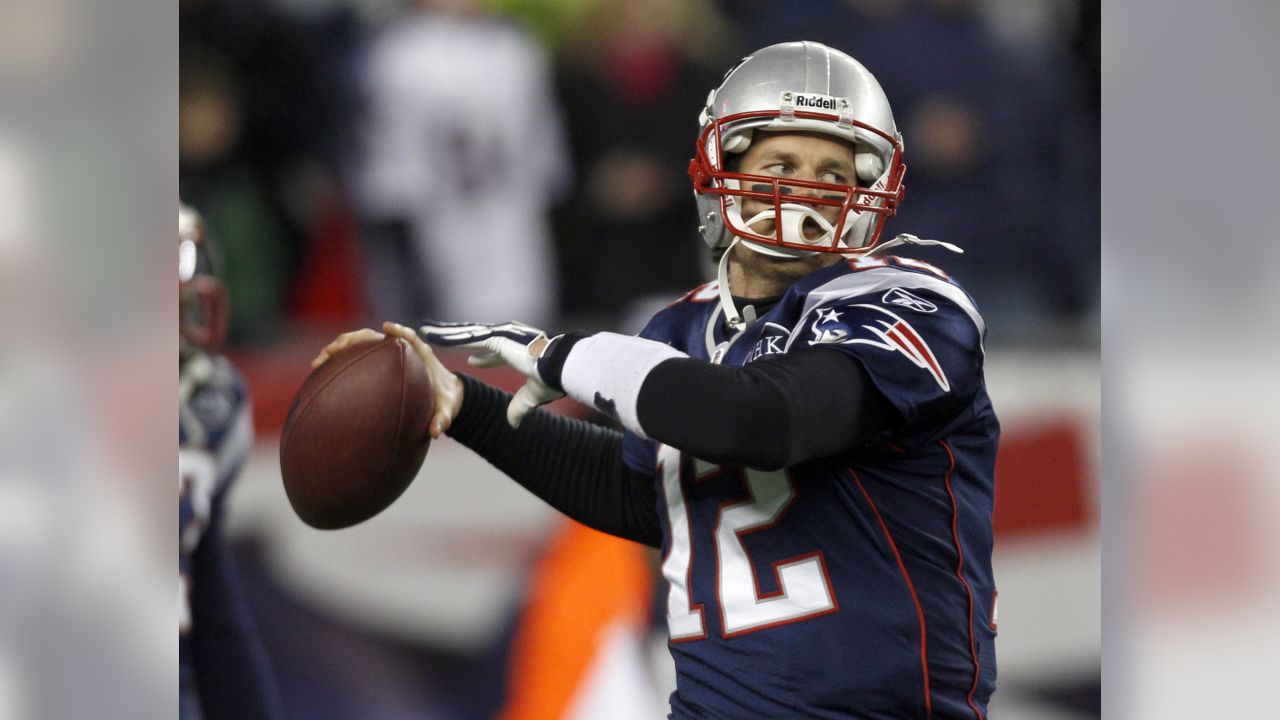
440,421
410,336
516,410
343,341
512,352
448,398
447,386
455,334
401,331
423,350
486,360
524,401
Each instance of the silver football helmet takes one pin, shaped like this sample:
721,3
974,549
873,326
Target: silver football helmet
203,308
797,86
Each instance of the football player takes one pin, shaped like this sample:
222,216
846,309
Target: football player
222,668
808,439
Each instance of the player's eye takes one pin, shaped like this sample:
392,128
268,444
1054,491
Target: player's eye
781,169
831,176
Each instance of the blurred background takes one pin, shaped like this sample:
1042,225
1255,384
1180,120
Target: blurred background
488,160
433,609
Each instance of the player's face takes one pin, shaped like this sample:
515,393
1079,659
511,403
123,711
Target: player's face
797,156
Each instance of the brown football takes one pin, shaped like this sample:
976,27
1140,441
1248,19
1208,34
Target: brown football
356,433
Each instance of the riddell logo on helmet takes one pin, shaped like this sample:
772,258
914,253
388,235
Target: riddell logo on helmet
814,101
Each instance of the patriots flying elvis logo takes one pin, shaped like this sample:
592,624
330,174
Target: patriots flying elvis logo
890,333
825,334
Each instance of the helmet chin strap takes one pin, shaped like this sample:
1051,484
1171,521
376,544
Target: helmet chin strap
731,315
792,222
909,239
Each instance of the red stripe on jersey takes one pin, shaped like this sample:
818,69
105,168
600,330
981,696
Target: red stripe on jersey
911,587
955,535
912,344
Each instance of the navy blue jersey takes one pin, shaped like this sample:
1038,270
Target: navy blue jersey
215,433
222,670
851,586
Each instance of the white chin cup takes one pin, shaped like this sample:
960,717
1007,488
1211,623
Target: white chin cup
792,223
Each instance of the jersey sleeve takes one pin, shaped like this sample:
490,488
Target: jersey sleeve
215,436
921,349
225,411
639,454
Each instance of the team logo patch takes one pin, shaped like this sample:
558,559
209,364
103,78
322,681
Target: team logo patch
212,405
605,405
823,330
894,334
902,298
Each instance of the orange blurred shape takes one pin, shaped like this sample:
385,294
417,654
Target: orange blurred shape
585,584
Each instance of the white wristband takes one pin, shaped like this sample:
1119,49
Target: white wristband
606,371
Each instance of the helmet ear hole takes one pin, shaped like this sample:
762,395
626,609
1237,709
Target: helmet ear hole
869,166
738,143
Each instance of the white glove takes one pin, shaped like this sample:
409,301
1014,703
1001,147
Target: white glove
504,344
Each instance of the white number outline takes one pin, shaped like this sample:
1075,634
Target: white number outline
680,605
794,576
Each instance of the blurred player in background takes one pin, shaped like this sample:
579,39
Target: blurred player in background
223,671
808,438
462,157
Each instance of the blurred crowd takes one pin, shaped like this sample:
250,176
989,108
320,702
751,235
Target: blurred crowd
490,160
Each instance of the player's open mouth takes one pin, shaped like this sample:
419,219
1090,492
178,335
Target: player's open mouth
810,227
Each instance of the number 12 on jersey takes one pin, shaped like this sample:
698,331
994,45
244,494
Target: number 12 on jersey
804,590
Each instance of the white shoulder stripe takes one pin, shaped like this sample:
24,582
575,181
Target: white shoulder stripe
866,282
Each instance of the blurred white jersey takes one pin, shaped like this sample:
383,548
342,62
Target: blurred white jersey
464,141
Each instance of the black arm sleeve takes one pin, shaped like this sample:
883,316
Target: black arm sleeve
769,414
575,466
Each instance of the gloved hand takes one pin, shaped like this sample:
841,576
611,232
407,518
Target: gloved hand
513,343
